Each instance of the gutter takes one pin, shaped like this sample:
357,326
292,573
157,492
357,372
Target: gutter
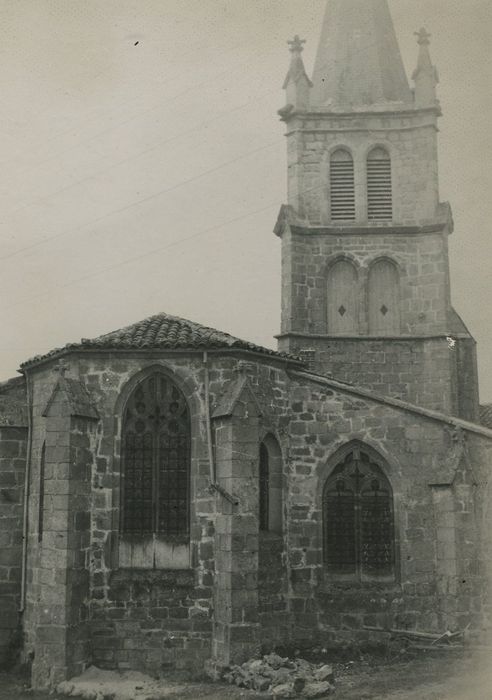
214,486
27,481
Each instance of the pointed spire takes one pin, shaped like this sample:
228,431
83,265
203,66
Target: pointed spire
358,64
425,75
297,83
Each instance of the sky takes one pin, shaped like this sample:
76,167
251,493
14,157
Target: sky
143,163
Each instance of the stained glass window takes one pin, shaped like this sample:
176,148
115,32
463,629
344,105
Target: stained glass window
156,460
358,519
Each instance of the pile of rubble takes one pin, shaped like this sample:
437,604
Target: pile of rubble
283,678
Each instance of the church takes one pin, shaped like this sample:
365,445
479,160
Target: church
172,497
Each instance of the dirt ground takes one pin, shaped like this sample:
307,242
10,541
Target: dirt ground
445,675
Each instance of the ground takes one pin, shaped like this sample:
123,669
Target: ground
444,675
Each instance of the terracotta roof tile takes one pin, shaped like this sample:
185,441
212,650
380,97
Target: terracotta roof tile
160,331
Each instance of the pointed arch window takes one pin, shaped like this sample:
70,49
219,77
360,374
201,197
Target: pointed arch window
343,299
384,298
379,189
358,519
270,486
342,189
42,463
156,461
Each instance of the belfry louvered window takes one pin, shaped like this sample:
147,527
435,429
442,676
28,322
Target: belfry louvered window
379,194
342,192
358,519
156,460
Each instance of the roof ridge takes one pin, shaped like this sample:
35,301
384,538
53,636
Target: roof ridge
162,331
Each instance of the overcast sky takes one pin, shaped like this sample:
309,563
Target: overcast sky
143,163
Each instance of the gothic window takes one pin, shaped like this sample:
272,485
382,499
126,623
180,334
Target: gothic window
264,488
342,299
379,193
270,486
156,460
384,298
342,191
358,519
41,492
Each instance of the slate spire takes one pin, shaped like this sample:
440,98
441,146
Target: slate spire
358,63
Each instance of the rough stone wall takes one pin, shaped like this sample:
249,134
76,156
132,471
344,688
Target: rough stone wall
437,586
423,271
139,618
421,371
409,138
273,607
13,443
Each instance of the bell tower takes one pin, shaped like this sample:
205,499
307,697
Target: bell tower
365,272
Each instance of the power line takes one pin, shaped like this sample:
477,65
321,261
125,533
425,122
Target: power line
141,113
159,144
159,249
166,190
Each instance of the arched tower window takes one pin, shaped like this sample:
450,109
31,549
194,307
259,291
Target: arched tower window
342,299
379,191
342,191
270,486
358,520
384,298
156,460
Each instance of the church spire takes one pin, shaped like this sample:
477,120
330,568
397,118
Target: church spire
358,64
297,84
425,75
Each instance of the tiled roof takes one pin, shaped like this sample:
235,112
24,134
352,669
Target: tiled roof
486,415
161,331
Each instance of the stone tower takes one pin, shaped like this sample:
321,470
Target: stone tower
365,272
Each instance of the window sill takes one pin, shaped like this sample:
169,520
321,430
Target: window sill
174,577
331,582
268,536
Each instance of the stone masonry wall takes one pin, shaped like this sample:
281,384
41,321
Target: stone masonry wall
141,618
423,271
421,371
273,606
410,139
437,585
13,443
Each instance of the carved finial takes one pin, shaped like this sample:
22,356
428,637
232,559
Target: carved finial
61,367
423,37
425,75
297,83
296,44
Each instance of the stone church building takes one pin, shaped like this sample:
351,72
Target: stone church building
170,494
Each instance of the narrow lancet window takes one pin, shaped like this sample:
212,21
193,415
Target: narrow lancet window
342,299
384,298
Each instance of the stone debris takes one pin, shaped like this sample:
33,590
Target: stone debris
283,677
